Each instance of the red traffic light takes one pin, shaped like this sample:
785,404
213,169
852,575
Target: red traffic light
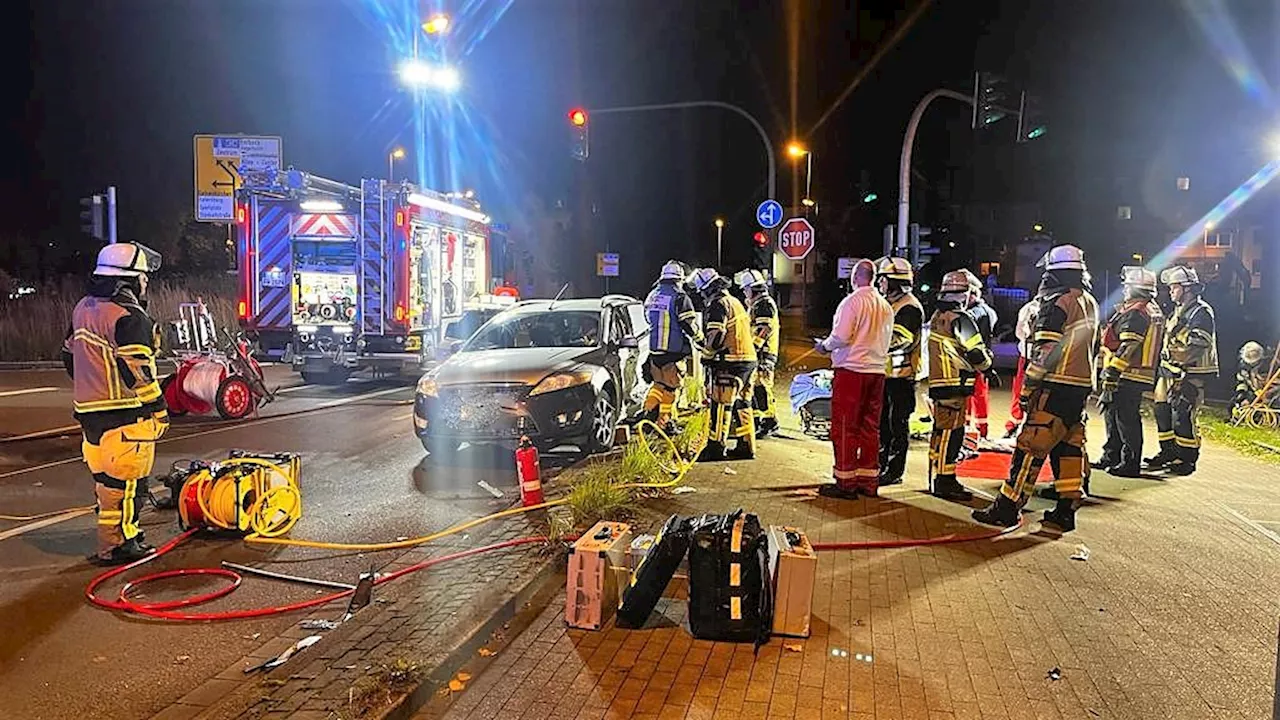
760,239
578,117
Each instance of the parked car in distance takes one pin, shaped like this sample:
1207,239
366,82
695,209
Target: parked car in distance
562,372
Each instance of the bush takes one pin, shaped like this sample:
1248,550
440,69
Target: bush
595,495
32,327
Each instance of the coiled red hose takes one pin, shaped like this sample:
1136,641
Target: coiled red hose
164,610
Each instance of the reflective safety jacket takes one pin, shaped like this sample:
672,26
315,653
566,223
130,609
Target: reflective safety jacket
110,353
1191,342
1132,341
673,323
904,345
1064,341
729,336
956,352
764,323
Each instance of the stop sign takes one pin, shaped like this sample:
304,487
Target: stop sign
795,238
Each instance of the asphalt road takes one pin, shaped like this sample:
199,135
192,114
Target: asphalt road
364,478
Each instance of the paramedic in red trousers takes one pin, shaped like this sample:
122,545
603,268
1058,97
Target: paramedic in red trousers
859,349
985,317
1021,330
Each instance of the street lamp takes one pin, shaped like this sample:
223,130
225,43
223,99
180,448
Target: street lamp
719,240
436,24
796,150
392,157
419,74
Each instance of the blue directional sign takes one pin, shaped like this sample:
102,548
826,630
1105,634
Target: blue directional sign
769,214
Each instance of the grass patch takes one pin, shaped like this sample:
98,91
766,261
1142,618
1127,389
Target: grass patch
693,435
1216,424
597,494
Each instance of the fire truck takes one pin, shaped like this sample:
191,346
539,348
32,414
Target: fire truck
336,279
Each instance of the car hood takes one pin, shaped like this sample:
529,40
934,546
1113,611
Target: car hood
512,365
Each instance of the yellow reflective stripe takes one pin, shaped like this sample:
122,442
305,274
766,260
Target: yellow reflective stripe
666,332
691,315
1118,363
1067,380
1130,336
1046,336
149,392
127,524
972,342
113,404
715,326
142,350
903,332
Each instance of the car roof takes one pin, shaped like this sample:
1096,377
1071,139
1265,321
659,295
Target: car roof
571,304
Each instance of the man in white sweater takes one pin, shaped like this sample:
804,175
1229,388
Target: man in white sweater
858,345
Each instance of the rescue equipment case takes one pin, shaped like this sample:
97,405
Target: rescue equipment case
654,572
596,561
730,598
795,567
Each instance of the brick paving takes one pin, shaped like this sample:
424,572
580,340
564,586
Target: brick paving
1174,615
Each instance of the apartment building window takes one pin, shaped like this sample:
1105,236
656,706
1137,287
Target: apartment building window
1219,239
1124,212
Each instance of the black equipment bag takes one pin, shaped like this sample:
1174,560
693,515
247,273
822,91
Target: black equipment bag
730,597
654,572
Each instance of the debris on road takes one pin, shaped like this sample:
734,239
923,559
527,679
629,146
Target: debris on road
793,647
1054,673
314,624
490,489
685,489
486,652
730,471
283,657
1081,553
181,659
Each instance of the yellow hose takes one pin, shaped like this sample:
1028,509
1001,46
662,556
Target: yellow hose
43,515
273,507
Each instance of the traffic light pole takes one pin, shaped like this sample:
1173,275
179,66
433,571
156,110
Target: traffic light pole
764,136
111,214
904,163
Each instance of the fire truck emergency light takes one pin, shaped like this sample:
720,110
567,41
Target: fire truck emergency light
320,206
431,203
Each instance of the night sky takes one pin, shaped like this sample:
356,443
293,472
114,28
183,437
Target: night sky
1138,92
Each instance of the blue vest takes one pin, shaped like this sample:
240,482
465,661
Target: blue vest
662,310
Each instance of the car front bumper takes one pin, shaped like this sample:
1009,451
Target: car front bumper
503,414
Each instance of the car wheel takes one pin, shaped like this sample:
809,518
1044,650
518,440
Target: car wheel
604,416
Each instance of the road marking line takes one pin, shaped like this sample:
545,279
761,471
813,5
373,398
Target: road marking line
26,391
23,529
226,428
1251,523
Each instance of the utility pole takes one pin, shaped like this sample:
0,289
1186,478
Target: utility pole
111,214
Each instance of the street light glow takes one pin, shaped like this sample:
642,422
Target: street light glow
436,25
808,202
796,150
719,222
398,153
1038,227
578,117
419,74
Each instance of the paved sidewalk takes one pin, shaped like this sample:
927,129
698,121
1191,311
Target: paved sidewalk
1174,614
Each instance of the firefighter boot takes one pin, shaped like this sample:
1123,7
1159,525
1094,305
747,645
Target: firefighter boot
1002,513
744,430
948,488
129,551
713,452
1061,519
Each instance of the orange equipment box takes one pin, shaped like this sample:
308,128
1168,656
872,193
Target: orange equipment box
795,567
597,569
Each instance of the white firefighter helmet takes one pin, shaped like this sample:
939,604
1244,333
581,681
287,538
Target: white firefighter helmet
974,282
895,268
672,270
955,282
1136,276
703,278
126,259
750,279
1251,353
1063,257
1180,275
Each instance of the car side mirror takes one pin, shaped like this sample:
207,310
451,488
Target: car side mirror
631,343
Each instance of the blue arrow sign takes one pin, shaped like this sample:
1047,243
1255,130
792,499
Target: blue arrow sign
769,214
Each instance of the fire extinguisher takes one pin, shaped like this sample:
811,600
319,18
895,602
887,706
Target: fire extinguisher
529,472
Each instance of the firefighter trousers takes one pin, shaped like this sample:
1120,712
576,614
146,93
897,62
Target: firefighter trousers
730,396
763,403
947,438
1123,420
1053,431
120,460
665,376
895,425
856,399
1177,419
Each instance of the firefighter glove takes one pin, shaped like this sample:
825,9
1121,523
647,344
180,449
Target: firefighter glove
993,378
1106,397
1171,370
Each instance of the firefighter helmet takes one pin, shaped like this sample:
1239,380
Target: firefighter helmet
1136,276
955,282
127,259
1180,275
1063,257
895,268
672,270
704,279
1251,353
751,279
974,282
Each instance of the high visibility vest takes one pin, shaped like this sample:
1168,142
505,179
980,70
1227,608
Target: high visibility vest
948,366
664,308
1072,360
729,330
904,347
1192,339
764,321
113,370
1135,313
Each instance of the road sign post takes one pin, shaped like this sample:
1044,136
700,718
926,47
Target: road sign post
769,214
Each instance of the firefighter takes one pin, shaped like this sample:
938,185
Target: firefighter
957,356
764,325
673,335
1131,344
110,355
731,357
1190,357
1060,379
894,279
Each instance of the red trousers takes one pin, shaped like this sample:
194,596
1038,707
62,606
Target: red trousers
1015,409
856,399
979,403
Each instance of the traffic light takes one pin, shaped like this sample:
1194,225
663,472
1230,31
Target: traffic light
761,253
581,146
990,91
921,251
1031,124
92,211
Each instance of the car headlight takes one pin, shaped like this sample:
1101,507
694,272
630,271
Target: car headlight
562,381
427,386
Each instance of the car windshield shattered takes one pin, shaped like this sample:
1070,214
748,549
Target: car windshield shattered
539,330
